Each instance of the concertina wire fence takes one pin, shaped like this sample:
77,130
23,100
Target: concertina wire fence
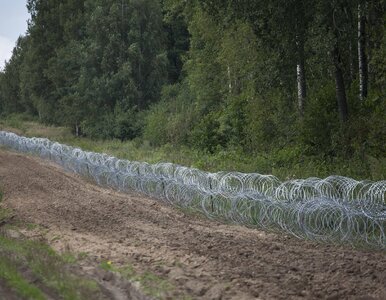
334,209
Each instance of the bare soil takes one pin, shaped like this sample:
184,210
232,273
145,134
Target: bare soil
200,258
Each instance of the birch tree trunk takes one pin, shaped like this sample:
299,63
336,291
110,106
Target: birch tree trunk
362,57
77,130
300,66
230,87
301,78
340,86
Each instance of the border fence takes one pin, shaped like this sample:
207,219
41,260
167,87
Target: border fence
334,209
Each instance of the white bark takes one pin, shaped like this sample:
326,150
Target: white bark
230,87
362,58
301,87
301,76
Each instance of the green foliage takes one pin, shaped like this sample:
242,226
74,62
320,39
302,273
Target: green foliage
47,271
154,132
9,273
378,66
170,120
32,269
261,128
101,128
86,62
316,136
127,124
206,134
218,77
288,161
119,124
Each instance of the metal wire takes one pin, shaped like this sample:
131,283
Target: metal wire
334,209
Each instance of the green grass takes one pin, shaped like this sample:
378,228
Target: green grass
49,271
4,213
287,163
12,277
32,269
151,284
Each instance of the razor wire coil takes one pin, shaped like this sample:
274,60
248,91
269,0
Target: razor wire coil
332,209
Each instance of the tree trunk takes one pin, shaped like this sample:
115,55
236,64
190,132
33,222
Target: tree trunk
353,63
300,65
339,86
301,77
77,130
362,58
230,87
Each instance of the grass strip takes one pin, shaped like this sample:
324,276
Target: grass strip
33,269
15,280
286,163
151,284
48,269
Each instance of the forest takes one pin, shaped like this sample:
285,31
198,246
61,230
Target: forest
297,81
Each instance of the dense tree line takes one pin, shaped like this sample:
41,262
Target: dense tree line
305,76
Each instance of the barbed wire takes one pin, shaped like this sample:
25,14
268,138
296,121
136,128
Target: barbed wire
334,209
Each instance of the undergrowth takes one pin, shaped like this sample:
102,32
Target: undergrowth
286,163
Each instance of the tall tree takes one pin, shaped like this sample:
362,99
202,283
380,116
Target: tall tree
336,16
10,80
301,28
46,36
177,37
339,84
362,56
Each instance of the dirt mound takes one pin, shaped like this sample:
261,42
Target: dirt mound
200,258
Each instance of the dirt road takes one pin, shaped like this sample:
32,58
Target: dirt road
200,258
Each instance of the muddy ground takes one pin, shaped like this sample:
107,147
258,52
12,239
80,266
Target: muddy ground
200,258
